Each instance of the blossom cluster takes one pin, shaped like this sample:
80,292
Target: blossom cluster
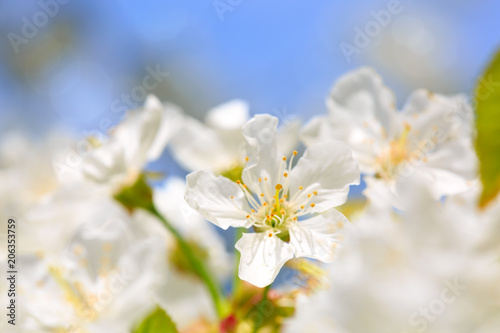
108,241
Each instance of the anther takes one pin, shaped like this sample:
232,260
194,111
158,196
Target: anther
232,197
248,216
278,187
238,182
262,194
295,153
285,174
301,188
284,158
247,159
313,204
315,192
301,206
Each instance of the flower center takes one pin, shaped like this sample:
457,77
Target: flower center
75,294
272,211
396,153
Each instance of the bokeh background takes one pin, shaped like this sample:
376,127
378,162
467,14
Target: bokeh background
71,64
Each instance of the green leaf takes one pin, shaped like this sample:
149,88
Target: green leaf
487,98
157,322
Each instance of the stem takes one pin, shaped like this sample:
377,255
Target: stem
236,278
217,296
264,298
264,294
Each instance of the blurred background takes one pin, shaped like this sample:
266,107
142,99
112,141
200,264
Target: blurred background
79,65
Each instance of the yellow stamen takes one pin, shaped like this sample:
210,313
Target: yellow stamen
277,196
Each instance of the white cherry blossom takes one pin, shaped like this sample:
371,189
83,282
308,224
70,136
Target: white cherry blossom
103,281
430,136
139,139
290,208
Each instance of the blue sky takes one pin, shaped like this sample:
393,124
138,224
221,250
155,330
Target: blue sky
281,56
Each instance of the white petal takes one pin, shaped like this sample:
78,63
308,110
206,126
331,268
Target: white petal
171,122
318,130
231,115
198,147
211,197
341,126
108,165
442,182
433,115
363,95
264,162
262,258
138,132
381,194
327,168
318,237
288,137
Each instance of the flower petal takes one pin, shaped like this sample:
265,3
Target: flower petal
231,115
288,137
262,258
327,168
318,237
138,131
107,165
363,95
436,117
362,114
198,147
211,197
264,162
170,123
